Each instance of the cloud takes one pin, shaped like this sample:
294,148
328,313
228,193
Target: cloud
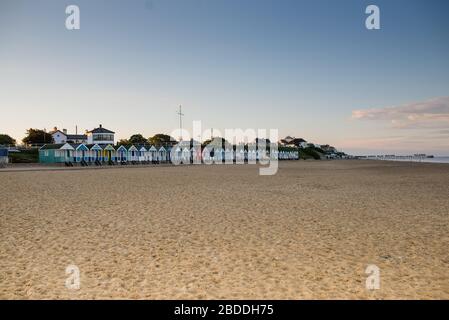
429,114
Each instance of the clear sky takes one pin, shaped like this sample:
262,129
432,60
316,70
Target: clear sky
308,68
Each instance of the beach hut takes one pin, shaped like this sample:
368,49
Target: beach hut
186,155
133,153
196,154
206,155
252,155
109,153
81,152
176,154
152,154
218,155
56,153
95,153
274,154
143,154
162,154
229,155
121,154
3,156
239,155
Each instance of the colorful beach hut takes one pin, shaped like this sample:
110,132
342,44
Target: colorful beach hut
121,154
81,152
3,156
95,152
109,153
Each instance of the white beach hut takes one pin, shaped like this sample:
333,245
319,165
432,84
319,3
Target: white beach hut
176,155
196,154
186,156
143,154
162,154
252,155
218,155
240,155
206,155
229,155
152,154
133,153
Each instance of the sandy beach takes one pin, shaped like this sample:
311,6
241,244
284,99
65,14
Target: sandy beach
224,232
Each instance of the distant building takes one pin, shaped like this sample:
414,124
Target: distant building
100,135
61,137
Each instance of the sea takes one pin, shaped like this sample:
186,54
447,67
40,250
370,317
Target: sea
429,160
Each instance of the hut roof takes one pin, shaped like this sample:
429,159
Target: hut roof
94,147
52,146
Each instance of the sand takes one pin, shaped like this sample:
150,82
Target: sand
216,232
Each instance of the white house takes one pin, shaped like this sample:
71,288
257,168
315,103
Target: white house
61,137
100,135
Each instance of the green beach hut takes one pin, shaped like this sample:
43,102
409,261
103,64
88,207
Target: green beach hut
56,153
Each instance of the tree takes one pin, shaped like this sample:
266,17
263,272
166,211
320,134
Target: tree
37,136
6,140
161,139
137,139
123,142
217,142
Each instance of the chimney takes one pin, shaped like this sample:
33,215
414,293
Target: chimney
55,128
101,126
65,131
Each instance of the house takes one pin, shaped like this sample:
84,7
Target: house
100,135
63,137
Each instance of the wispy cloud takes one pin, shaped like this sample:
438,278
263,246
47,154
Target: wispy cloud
429,114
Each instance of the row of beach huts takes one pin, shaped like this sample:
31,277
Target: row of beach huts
98,154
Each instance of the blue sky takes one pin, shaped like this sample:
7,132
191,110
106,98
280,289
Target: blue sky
308,68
